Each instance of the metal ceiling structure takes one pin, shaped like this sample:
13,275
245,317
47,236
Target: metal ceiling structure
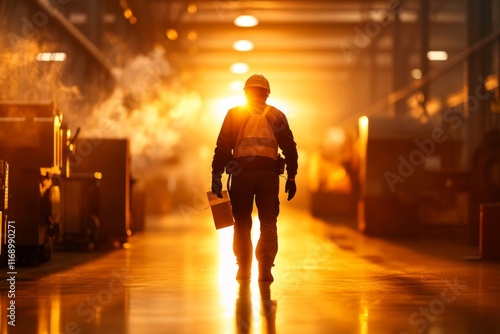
340,53
327,59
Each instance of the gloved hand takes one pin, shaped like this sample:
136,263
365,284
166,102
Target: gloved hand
217,184
290,188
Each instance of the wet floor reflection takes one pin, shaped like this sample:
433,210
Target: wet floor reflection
183,281
252,315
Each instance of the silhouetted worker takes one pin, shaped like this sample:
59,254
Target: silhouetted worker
247,147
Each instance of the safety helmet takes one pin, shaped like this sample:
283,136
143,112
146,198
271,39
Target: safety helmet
257,80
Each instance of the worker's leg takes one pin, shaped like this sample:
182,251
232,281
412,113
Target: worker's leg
267,201
242,195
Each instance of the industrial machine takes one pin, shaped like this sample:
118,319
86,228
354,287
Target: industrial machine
80,223
111,157
31,140
409,183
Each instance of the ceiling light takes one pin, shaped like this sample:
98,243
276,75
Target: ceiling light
127,13
437,55
172,34
416,74
51,56
243,45
246,21
192,8
239,68
192,35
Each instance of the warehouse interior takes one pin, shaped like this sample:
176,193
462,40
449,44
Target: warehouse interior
109,116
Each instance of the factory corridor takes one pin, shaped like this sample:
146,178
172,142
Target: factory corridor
178,277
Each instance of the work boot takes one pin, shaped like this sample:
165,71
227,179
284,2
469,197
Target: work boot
244,272
265,274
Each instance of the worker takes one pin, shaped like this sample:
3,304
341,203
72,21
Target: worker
247,149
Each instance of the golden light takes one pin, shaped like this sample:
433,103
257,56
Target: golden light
236,85
335,136
246,21
172,34
227,271
51,56
281,105
239,68
363,317
128,13
363,128
133,20
243,45
222,105
416,74
437,55
192,8
363,124
192,35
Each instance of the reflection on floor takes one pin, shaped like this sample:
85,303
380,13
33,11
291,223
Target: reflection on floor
178,277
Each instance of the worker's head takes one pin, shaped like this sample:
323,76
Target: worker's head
257,88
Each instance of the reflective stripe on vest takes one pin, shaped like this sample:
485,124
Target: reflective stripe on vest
257,138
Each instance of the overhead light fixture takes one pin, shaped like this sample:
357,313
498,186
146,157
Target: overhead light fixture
416,74
192,35
243,45
172,34
246,21
192,8
239,68
437,55
128,13
51,56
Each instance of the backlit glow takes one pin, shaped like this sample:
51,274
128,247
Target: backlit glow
172,34
437,55
227,271
127,13
51,56
243,45
239,68
246,21
236,85
416,74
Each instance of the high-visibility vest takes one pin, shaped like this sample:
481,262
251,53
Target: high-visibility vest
256,138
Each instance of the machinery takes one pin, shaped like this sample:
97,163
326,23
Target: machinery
409,180
80,196
31,140
111,157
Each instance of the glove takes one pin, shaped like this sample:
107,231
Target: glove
217,185
290,188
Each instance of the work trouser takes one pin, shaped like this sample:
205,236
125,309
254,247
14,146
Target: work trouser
265,187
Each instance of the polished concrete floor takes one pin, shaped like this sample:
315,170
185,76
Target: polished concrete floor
178,277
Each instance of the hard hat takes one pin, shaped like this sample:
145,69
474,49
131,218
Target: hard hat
257,80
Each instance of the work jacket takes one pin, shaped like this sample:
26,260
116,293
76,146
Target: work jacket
230,134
